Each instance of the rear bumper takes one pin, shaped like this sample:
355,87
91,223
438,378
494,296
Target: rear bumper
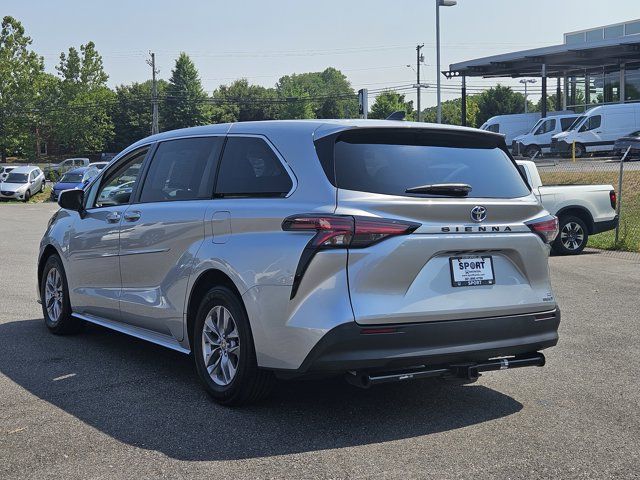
346,347
599,227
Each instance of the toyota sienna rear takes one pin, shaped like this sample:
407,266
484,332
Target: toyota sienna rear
382,251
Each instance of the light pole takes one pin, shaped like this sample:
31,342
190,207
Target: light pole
526,81
440,3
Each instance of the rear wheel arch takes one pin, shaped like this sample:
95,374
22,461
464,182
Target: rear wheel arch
204,283
580,212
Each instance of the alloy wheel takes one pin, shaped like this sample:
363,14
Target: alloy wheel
572,236
54,294
220,345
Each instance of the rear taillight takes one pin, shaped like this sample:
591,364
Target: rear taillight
340,231
545,227
613,199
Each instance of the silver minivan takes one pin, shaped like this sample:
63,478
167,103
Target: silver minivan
378,250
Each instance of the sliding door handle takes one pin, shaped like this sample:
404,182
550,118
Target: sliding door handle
113,217
132,216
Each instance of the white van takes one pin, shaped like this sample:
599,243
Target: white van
598,128
538,140
511,125
517,124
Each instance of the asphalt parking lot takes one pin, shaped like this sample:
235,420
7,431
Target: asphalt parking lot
103,405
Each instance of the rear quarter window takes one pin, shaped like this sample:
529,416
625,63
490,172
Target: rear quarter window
390,162
250,168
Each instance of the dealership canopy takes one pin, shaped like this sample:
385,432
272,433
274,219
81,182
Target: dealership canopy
590,58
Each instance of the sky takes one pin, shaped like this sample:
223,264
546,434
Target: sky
371,42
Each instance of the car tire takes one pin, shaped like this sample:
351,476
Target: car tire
54,294
27,196
580,150
572,236
532,150
224,351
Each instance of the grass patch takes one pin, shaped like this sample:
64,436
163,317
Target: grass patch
37,198
629,238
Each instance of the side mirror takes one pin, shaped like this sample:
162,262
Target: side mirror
72,200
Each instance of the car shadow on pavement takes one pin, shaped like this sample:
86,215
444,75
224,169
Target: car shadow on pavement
150,397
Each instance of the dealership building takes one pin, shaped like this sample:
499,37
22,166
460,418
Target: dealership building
591,67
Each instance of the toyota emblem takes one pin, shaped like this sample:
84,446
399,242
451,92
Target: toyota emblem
478,213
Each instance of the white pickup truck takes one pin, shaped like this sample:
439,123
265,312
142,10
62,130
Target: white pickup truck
582,210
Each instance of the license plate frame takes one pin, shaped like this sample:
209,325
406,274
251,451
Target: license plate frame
467,279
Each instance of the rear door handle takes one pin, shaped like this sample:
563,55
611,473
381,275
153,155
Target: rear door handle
132,216
113,217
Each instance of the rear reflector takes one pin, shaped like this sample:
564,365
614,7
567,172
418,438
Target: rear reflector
613,199
374,331
545,227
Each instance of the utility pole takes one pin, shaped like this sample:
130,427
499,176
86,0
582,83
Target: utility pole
526,81
154,93
419,59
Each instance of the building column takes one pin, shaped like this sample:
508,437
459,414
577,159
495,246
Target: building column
587,90
463,104
558,95
621,90
565,93
543,111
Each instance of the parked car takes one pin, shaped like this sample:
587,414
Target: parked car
598,129
107,157
582,210
621,145
68,164
73,179
4,172
99,165
516,124
22,182
379,250
538,140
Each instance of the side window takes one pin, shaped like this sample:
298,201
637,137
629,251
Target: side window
546,127
78,163
182,170
250,168
118,184
565,123
494,128
592,123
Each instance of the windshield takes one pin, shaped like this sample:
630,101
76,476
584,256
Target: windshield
17,178
71,178
392,162
577,123
535,125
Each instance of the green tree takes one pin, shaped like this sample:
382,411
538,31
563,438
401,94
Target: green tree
186,102
326,94
552,106
81,115
132,113
242,102
20,74
452,112
388,102
499,100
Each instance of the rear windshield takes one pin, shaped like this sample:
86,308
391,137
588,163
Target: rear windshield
72,178
391,162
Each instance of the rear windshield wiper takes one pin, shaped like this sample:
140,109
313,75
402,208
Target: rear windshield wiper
448,189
